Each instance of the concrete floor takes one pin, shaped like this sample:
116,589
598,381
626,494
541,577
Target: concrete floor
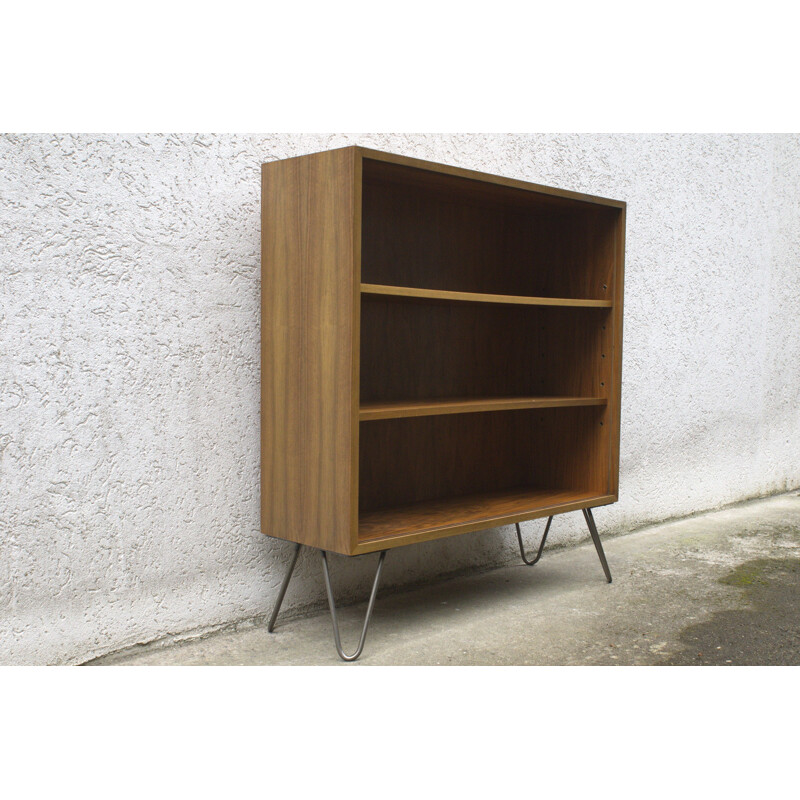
721,588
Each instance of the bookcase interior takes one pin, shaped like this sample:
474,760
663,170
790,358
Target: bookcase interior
420,472
416,349
493,401
429,230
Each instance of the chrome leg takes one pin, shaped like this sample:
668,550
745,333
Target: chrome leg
541,545
284,587
337,640
587,512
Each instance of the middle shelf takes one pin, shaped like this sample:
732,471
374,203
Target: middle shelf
467,405
412,293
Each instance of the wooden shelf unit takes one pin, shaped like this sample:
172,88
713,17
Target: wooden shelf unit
441,350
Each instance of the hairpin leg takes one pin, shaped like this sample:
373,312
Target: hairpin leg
541,545
587,512
284,587
337,640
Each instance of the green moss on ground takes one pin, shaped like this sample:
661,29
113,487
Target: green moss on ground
747,574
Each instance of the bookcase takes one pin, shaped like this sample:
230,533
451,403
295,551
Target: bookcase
441,350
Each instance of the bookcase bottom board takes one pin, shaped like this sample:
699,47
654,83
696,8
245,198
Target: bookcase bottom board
438,518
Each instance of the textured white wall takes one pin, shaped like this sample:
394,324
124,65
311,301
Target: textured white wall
129,365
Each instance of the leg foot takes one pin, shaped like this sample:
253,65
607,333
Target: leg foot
541,545
284,587
587,512
336,638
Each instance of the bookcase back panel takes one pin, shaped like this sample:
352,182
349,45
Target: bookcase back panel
418,350
431,231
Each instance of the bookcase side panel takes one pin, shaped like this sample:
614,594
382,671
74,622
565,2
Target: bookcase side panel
307,329
615,405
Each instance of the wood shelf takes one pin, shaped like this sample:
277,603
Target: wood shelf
470,512
479,297
468,405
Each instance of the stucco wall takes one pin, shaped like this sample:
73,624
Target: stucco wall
129,365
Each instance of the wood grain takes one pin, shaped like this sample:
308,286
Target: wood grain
486,185
475,297
424,408
441,350
616,247
410,460
426,351
438,232
432,520
307,335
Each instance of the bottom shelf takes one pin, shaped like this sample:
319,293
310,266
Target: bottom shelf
473,512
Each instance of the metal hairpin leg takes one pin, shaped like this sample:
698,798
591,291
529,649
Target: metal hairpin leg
541,545
587,512
284,587
336,638
332,605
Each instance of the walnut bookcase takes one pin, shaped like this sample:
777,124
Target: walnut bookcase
441,352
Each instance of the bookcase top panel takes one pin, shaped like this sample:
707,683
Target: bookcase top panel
433,175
